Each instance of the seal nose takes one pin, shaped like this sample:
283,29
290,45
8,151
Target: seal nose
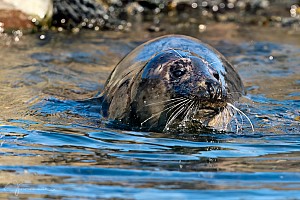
214,89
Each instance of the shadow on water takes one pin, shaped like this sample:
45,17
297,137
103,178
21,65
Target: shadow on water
53,144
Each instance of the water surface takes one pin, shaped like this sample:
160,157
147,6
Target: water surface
55,147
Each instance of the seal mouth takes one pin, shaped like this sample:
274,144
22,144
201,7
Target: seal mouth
205,114
190,110
213,105
207,110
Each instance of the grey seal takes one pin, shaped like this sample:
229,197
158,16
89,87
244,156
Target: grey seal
171,82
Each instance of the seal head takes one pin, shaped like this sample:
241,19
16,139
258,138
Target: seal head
183,82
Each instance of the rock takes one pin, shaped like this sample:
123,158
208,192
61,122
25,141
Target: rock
25,15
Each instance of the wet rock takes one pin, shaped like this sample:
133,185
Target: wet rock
14,19
24,15
70,14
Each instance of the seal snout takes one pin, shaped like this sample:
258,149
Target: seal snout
210,89
214,90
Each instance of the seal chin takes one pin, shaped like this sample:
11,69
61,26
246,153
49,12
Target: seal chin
206,113
196,113
221,120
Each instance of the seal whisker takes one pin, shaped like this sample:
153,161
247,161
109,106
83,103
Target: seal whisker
153,115
170,101
231,115
241,117
189,110
178,104
238,125
241,112
174,102
177,112
174,115
166,109
178,100
197,107
242,123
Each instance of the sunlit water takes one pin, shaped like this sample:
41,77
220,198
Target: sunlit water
54,146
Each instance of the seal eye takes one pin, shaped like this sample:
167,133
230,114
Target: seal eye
178,72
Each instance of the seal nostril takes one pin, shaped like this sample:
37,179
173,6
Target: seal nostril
218,93
216,75
210,89
214,90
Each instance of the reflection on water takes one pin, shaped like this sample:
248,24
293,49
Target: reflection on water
53,145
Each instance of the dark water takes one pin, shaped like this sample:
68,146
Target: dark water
53,146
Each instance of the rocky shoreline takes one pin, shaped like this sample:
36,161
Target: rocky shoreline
121,15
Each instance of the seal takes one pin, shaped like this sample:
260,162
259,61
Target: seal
171,82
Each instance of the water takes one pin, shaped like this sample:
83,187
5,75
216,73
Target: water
54,146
